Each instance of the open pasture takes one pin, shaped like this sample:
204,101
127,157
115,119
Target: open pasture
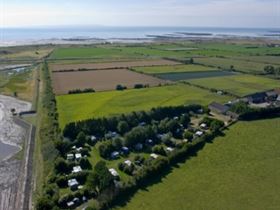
84,106
238,84
173,69
237,171
226,63
100,80
112,65
245,49
194,75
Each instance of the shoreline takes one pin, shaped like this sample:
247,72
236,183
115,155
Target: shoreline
11,134
149,38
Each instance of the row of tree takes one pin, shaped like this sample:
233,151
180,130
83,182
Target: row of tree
122,123
78,91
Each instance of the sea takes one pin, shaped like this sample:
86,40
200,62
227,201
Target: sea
92,34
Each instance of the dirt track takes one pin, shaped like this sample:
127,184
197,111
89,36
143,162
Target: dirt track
111,65
100,80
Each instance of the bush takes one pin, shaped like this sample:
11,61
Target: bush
188,135
121,87
61,181
138,86
78,91
44,203
61,166
158,149
85,164
105,149
123,127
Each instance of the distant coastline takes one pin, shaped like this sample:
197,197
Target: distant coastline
91,35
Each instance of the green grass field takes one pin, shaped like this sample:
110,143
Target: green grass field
173,69
225,63
85,106
91,52
239,85
238,171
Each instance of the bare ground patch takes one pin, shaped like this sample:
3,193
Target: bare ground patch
100,80
111,65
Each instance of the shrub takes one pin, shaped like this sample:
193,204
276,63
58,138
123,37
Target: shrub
138,86
188,135
158,149
61,166
61,181
120,87
44,203
85,164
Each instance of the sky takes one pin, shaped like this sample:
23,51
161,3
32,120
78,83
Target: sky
200,13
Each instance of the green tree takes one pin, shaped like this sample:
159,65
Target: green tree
185,120
159,149
117,143
105,149
123,127
44,203
136,135
61,165
101,178
85,164
81,139
215,125
188,135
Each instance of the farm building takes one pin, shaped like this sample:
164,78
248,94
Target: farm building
218,108
257,98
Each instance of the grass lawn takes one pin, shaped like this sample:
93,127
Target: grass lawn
240,84
238,171
85,106
173,69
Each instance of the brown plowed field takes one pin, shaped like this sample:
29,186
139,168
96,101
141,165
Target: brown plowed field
111,65
100,80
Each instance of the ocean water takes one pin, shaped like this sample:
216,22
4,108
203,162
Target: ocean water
16,36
